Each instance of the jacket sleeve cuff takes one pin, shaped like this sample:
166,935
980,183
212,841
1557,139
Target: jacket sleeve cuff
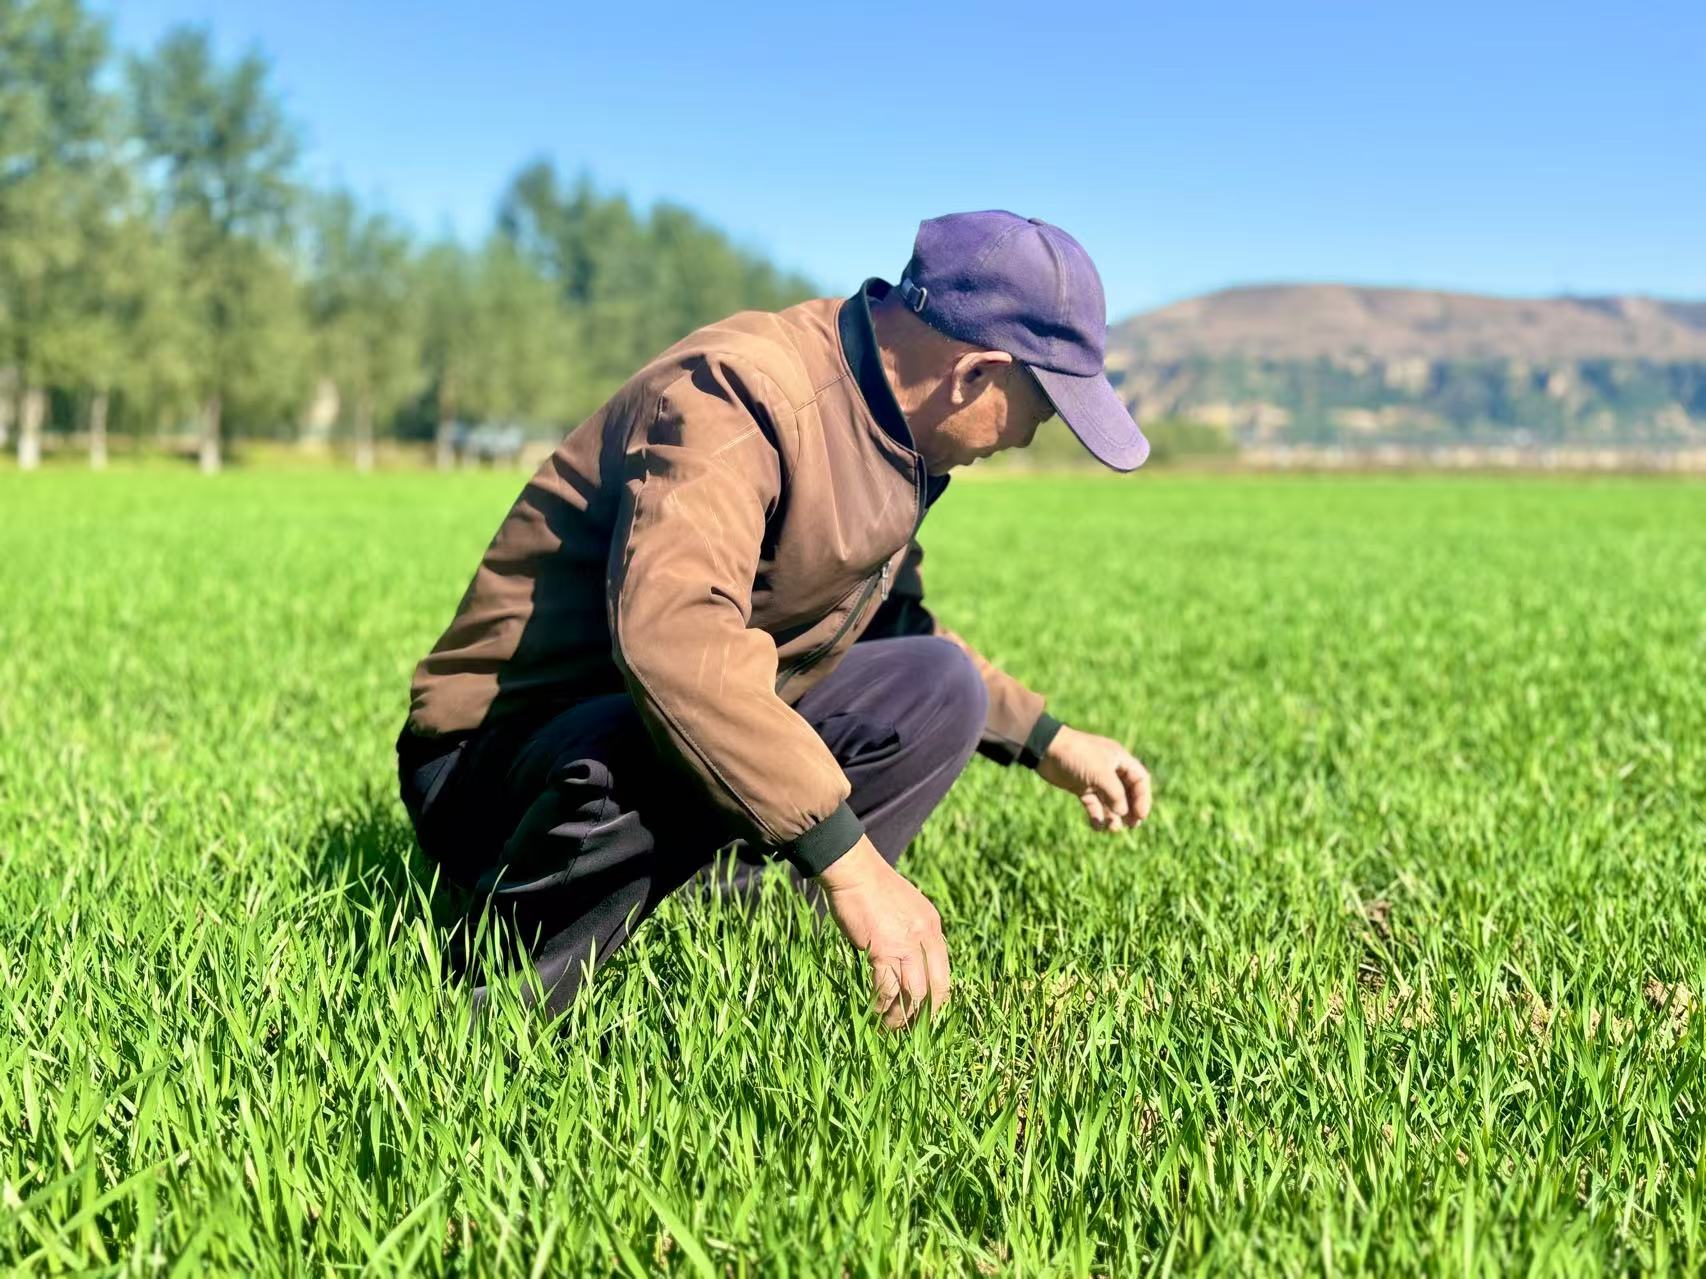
816,850
1037,744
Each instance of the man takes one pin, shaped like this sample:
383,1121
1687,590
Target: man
702,622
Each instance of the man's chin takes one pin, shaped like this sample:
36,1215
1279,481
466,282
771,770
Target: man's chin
938,467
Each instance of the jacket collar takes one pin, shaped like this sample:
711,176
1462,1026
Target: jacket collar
859,344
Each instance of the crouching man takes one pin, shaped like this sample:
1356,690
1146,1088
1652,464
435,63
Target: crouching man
702,622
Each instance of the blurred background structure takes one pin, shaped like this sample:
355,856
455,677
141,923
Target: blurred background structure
190,266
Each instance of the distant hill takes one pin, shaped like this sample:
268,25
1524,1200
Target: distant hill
1313,363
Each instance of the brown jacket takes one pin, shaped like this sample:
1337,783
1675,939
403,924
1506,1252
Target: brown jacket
713,540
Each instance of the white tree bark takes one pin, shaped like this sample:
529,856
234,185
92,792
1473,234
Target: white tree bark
210,452
446,446
363,437
30,414
98,432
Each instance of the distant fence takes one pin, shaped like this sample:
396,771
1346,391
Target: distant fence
1394,457
510,448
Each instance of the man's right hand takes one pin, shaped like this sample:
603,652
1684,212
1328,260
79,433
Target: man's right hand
896,928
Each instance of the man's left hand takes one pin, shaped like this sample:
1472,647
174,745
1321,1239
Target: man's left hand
1108,780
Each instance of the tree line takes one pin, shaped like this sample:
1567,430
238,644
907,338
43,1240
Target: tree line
165,271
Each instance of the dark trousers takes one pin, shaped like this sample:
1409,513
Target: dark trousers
571,831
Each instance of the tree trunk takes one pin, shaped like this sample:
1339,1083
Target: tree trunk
446,443
210,453
29,429
7,404
98,432
363,437
444,440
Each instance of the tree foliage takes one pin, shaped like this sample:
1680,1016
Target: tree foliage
55,165
223,159
634,282
360,307
165,267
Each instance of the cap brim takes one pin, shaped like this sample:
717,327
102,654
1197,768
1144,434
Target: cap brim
1097,416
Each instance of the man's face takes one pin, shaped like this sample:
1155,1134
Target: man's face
1002,409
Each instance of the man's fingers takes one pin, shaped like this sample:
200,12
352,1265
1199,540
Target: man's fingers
936,971
1111,787
906,984
1136,779
1105,801
1093,809
914,991
885,985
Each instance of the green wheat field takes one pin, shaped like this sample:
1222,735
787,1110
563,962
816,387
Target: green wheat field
1406,974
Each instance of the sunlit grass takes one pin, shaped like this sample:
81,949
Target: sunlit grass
1400,978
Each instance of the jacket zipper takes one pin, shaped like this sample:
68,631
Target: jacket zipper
919,484
823,650
881,579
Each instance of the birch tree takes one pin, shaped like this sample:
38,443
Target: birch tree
55,161
223,158
363,314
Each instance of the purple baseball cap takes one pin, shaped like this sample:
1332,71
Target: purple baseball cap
1021,285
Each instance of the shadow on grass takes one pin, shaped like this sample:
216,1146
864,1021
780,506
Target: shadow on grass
368,856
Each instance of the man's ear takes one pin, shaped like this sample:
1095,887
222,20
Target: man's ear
974,371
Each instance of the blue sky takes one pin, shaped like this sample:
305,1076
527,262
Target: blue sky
1521,148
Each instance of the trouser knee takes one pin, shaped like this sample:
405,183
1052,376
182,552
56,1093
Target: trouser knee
960,701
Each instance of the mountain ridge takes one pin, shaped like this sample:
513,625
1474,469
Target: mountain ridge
1325,362
1305,320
